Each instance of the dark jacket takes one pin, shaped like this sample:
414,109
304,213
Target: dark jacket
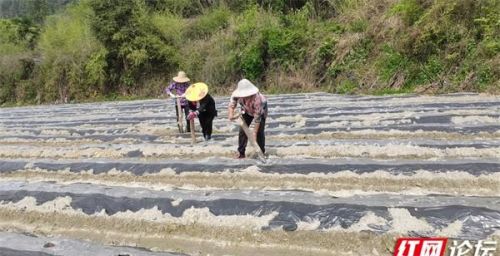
206,106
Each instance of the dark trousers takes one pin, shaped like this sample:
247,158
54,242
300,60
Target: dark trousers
206,122
243,139
186,113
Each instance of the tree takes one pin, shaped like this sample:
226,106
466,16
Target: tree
39,9
135,50
71,56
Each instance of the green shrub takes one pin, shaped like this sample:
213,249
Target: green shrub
409,10
273,5
326,51
485,77
355,57
431,69
358,26
10,74
215,61
250,42
95,69
238,6
252,61
286,42
67,44
250,24
115,49
284,46
206,25
20,31
169,26
346,86
490,31
415,73
184,8
391,62
329,27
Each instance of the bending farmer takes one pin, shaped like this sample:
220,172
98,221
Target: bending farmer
202,105
179,86
253,108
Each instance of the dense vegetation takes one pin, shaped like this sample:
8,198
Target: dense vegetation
33,9
52,51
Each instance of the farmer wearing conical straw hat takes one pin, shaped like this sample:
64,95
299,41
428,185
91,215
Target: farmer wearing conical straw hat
253,108
179,87
202,105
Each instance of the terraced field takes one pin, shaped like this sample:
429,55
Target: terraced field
345,175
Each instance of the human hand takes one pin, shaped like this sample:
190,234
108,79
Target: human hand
192,115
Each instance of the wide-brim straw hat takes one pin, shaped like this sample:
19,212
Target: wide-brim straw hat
245,88
181,77
196,92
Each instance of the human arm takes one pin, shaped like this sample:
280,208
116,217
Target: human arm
168,90
230,108
256,130
260,112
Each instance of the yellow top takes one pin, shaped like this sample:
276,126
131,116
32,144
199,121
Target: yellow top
196,92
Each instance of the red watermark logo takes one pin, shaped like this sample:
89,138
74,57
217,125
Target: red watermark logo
437,247
420,247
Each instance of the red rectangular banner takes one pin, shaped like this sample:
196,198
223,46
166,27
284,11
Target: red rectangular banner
420,247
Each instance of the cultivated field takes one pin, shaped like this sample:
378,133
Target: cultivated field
345,175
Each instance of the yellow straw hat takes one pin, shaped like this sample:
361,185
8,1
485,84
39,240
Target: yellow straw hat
196,92
181,77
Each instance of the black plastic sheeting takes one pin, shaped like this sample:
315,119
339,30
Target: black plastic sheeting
11,252
412,128
476,169
310,130
478,222
103,138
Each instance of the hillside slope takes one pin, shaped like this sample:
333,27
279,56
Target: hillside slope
106,49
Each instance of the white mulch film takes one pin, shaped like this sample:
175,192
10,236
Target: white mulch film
344,175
